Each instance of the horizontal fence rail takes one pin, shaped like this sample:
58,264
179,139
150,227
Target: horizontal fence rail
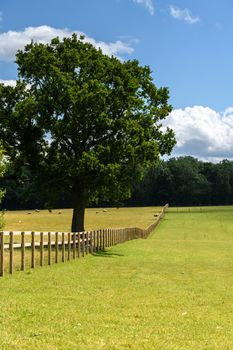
40,248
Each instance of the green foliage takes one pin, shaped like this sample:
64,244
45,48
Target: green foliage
185,181
83,121
2,192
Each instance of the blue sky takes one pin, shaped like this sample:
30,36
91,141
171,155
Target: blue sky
187,44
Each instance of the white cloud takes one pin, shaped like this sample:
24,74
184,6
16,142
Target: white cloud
184,15
148,4
12,41
8,82
202,132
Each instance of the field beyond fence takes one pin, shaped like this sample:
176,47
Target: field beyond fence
19,250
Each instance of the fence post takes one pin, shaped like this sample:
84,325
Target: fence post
42,249
56,247
22,251
104,238
91,242
94,241
83,244
63,247
49,248
11,246
87,242
69,245
79,242
74,245
33,250
97,240
100,239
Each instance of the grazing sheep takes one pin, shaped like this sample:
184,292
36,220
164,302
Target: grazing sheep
37,210
104,210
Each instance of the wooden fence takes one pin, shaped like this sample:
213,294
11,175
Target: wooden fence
62,246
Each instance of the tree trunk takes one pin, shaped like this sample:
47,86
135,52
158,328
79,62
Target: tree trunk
79,205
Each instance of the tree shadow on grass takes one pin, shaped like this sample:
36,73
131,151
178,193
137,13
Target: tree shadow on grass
106,254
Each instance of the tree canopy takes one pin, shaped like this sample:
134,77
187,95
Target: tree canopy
82,121
2,171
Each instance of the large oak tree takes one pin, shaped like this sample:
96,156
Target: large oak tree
83,121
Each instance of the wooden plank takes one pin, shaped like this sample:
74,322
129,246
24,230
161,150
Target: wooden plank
69,245
94,241
101,239
91,242
2,253
97,240
11,247
32,250
87,243
63,247
104,238
22,251
74,245
49,248
42,249
83,243
56,247
79,244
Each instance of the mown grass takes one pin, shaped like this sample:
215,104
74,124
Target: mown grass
172,291
94,219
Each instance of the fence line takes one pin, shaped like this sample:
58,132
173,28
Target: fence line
76,243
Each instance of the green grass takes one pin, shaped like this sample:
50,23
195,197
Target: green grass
94,219
172,291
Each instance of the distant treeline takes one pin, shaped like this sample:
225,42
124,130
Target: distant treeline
183,181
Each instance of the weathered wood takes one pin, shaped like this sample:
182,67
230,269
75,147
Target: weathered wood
94,241
91,242
83,243
101,239
42,249
56,247
104,236
79,244
11,248
49,248
63,247
108,245
87,243
69,245
74,245
2,253
22,251
98,240
32,250
111,233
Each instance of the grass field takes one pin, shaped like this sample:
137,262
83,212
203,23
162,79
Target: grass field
172,291
94,219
